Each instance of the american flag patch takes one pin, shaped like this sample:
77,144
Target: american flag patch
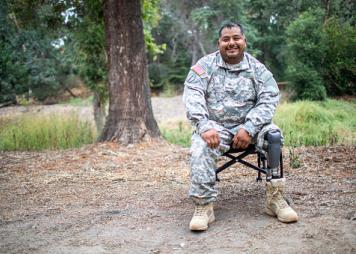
198,69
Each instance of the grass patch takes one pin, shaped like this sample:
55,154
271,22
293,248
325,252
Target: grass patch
177,133
304,123
78,101
35,133
317,123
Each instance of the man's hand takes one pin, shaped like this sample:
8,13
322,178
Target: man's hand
241,139
211,137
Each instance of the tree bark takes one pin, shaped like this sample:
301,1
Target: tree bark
130,118
99,112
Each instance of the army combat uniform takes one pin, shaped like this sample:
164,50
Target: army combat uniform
225,97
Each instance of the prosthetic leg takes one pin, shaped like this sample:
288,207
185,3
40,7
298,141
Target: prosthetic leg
274,155
276,204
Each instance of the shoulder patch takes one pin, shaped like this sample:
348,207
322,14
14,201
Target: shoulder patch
198,69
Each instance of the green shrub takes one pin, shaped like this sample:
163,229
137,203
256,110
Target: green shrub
306,83
38,133
339,64
321,56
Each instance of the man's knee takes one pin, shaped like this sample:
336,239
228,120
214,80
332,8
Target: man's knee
200,150
199,147
202,161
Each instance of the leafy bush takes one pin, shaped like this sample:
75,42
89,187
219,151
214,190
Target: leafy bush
30,63
322,56
339,64
306,83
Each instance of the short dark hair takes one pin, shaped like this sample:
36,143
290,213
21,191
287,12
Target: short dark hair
230,24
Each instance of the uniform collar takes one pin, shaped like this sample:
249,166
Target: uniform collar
241,66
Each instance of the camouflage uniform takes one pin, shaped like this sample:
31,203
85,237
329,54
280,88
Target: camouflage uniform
224,97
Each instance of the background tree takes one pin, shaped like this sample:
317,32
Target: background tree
322,57
88,41
130,116
32,59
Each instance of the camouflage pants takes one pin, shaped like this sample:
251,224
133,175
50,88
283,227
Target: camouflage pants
203,162
202,167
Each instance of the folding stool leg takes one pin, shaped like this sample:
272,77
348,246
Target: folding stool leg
281,165
259,178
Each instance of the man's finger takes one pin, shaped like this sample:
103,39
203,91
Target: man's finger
208,142
235,144
217,141
238,144
244,146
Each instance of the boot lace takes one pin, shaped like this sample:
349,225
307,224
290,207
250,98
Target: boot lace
199,210
278,197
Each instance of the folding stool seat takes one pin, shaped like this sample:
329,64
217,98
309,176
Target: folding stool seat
238,155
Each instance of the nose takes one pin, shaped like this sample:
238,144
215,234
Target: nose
231,41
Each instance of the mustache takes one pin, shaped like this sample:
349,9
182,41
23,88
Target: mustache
233,47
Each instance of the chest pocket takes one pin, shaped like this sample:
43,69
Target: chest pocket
216,89
241,88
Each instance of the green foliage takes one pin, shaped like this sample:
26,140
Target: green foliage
151,17
306,82
30,63
322,56
170,68
88,40
339,64
304,36
35,133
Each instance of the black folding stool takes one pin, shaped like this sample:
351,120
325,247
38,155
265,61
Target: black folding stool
238,155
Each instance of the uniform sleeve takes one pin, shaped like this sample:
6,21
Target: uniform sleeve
195,104
267,101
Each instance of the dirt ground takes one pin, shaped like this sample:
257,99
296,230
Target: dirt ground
105,198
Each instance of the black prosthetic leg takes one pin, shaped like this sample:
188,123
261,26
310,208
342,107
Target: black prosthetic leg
275,168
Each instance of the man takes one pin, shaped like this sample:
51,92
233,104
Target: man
230,99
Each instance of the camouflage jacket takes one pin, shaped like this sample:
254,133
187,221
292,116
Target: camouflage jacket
217,93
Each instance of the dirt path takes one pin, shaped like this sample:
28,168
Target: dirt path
105,198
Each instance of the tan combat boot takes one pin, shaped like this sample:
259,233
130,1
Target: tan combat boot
203,215
276,205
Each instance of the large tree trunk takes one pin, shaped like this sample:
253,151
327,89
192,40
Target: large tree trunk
130,118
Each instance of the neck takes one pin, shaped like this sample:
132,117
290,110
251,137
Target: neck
234,60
